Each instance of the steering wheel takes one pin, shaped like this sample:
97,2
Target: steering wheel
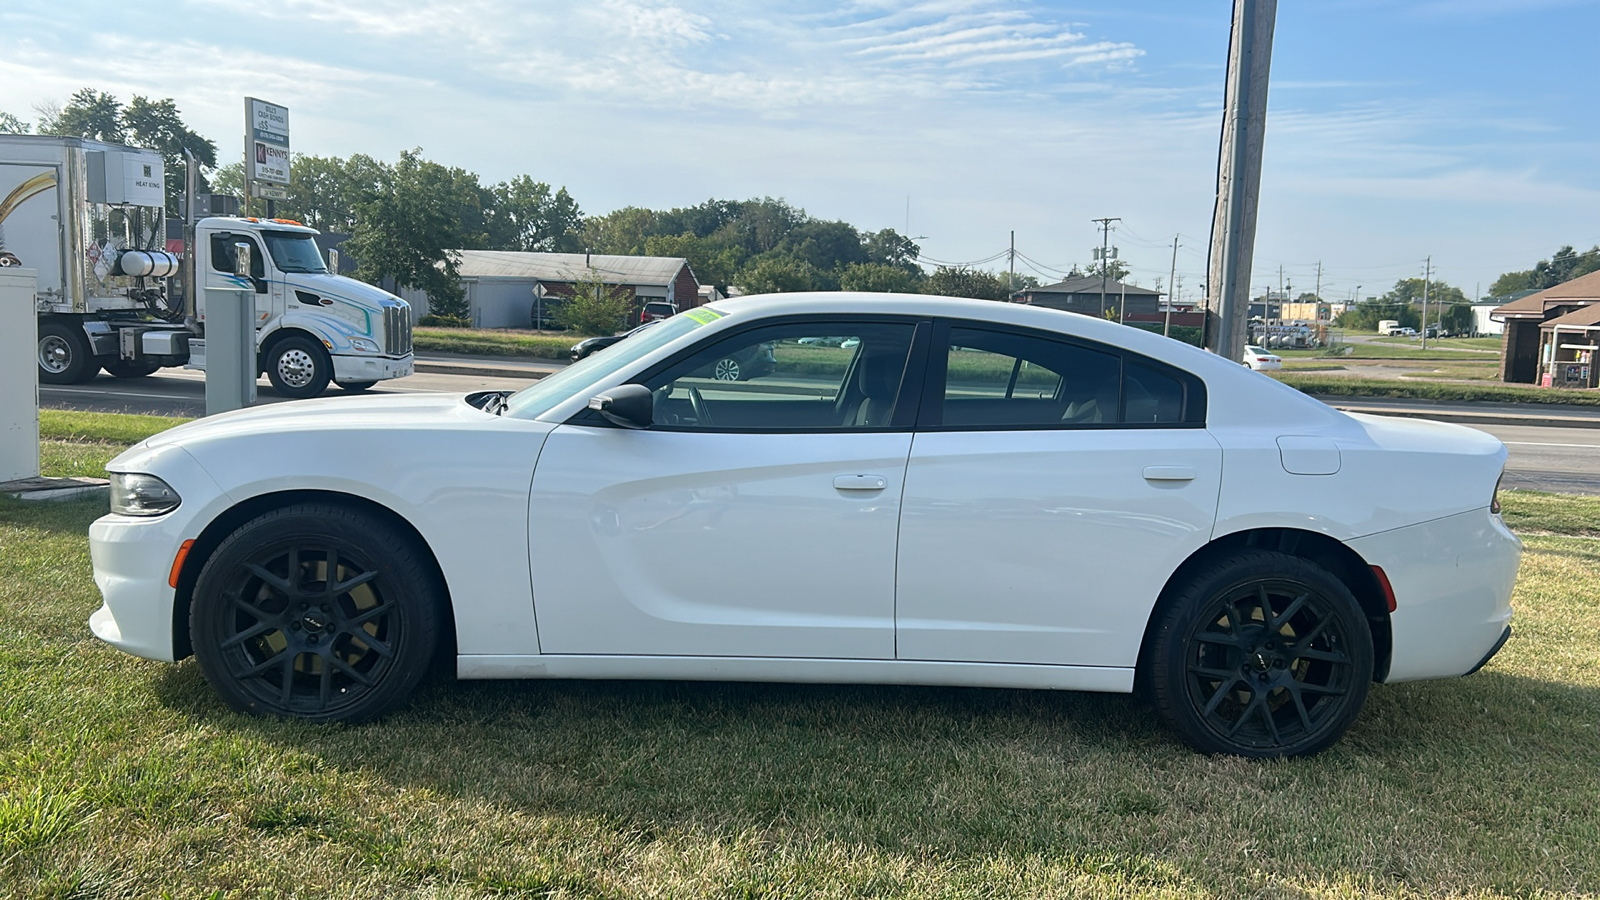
702,417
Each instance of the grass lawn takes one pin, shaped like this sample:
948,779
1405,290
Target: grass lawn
1351,386
493,342
126,778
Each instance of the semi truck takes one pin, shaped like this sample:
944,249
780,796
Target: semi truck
90,217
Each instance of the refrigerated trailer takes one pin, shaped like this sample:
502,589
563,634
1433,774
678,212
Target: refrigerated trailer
90,217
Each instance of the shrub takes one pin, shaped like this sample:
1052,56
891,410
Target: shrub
436,321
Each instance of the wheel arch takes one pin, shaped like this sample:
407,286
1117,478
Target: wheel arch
272,338
1329,553
230,520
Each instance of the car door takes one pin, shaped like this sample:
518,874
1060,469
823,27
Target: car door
755,517
1053,487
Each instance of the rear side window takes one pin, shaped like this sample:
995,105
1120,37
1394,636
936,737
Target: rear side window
1003,379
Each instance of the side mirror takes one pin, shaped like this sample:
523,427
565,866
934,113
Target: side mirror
628,405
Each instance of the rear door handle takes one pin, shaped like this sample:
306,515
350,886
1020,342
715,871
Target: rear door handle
1169,473
860,482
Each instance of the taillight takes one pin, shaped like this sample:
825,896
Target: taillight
1494,500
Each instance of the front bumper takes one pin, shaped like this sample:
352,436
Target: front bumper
372,368
132,561
1452,581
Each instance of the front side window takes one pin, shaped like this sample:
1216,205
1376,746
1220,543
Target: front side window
222,254
790,377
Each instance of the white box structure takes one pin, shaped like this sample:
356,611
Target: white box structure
19,374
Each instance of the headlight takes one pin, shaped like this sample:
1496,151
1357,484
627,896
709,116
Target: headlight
133,494
364,344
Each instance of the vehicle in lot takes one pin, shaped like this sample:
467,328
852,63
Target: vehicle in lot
589,346
656,310
1261,359
91,218
1388,326
975,493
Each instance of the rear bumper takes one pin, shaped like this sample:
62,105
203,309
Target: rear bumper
1452,581
372,368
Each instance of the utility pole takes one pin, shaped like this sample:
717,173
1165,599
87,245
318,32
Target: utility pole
1427,276
1122,303
1011,273
1319,281
1105,259
1233,226
1172,294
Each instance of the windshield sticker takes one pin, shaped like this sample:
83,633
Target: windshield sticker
705,315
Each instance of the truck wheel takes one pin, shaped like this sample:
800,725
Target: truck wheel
299,368
65,356
126,368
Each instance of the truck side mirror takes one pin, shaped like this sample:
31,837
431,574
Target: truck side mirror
333,261
628,405
242,265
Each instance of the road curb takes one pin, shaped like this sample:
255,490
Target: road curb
480,369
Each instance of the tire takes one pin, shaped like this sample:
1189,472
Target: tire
299,367
65,356
1223,675
123,368
355,387
726,369
274,641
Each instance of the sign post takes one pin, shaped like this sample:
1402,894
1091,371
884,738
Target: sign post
266,153
19,372
231,337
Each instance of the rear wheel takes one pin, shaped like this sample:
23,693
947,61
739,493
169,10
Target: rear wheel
124,368
299,367
1263,655
317,612
65,356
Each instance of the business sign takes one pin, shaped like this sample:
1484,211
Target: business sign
267,144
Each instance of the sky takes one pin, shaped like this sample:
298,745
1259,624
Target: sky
1464,130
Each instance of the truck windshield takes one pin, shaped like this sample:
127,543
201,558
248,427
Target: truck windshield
293,251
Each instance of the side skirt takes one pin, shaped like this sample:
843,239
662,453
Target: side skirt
814,671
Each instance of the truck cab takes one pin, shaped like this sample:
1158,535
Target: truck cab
312,326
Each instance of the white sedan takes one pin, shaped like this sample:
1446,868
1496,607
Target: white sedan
969,493
1261,359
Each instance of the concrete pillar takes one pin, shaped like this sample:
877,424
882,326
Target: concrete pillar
19,374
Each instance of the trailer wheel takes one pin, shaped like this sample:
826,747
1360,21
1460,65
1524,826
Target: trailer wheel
65,356
127,368
299,368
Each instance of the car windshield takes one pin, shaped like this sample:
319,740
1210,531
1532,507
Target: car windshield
548,392
294,251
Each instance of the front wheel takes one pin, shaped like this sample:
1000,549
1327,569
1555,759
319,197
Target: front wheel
727,369
1263,655
299,367
65,356
315,611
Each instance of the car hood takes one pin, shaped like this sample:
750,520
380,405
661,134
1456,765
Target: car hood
388,411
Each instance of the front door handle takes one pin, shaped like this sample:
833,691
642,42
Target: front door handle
860,482
1169,473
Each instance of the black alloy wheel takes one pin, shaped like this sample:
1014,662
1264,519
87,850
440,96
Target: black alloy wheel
315,612
1263,655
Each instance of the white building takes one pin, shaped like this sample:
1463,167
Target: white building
500,283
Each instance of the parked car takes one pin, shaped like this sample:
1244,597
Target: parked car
656,310
589,346
743,364
1066,504
1260,359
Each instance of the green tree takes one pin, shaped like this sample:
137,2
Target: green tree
776,273
594,306
10,124
527,215
1409,290
711,262
890,248
408,225
622,232
1366,315
881,278
960,281
229,179
321,193
88,114
1457,319
1563,266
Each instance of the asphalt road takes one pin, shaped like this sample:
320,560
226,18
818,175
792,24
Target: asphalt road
1546,459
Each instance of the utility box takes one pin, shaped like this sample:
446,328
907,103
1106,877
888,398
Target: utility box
19,374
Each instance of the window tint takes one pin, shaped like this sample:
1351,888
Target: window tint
222,254
797,377
999,379
1151,396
